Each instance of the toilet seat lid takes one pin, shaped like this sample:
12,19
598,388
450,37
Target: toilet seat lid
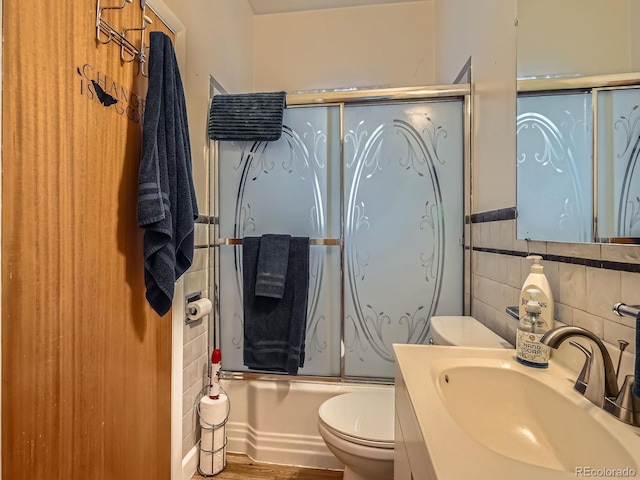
464,331
363,417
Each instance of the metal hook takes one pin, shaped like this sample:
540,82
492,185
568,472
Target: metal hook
102,24
143,61
146,21
143,50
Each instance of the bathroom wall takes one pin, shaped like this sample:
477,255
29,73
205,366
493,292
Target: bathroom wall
586,279
586,37
217,40
195,357
381,45
292,52
484,30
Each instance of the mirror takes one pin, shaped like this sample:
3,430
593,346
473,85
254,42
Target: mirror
578,120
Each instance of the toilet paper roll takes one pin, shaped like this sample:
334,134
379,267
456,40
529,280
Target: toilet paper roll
213,411
212,453
198,309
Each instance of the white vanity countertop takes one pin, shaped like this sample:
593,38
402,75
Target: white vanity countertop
451,453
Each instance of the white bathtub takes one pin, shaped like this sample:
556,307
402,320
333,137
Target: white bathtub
276,421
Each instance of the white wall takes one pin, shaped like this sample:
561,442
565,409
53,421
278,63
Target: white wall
634,18
219,42
484,30
381,45
567,37
396,46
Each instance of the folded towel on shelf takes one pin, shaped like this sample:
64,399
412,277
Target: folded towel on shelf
273,257
275,329
247,116
167,204
636,380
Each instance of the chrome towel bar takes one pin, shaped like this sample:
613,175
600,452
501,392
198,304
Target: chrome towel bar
623,309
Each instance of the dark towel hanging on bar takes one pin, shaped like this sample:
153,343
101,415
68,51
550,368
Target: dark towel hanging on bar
247,116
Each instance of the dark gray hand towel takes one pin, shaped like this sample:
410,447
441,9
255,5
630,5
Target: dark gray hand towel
167,203
275,329
273,258
247,116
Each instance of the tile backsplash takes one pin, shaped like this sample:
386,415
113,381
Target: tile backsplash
195,339
586,280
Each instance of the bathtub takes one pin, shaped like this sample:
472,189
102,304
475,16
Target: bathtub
275,421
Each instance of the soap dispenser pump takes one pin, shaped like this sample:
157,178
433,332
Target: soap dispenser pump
529,350
538,280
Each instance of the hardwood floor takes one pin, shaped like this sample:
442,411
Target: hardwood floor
241,467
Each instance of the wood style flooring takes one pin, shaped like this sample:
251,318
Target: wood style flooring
241,467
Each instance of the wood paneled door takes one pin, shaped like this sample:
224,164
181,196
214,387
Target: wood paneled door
86,363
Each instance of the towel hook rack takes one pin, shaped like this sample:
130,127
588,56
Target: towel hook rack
101,23
105,33
140,53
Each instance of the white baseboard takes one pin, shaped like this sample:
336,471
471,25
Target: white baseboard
190,464
284,449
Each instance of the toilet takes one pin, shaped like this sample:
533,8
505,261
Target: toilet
464,332
358,427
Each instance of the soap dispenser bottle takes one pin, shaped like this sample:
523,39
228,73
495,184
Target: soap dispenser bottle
538,280
529,350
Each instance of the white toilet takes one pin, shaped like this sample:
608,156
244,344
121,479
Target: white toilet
358,427
464,332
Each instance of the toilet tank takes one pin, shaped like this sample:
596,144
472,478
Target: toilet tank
464,331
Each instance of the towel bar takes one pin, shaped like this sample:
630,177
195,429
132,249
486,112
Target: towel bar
628,310
312,241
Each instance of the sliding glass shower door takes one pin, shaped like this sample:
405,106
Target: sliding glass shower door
379,188
403,217
288,186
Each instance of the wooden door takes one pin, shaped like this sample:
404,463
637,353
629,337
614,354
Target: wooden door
86,363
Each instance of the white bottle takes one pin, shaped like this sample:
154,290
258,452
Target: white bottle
529,350
537,280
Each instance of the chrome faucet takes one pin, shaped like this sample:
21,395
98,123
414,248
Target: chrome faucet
598,380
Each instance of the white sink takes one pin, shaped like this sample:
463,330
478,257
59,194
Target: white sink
483,415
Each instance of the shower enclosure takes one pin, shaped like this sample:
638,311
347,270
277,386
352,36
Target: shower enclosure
577,159
376,180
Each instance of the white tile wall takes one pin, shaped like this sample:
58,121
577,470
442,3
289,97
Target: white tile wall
631,288
579,250
621,253
583,295
514,272
564,312
572,285
195,341
590,322
604,288
201,234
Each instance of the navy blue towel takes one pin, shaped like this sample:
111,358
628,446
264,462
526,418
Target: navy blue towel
273,258
247,116
167,204
275,328
636,380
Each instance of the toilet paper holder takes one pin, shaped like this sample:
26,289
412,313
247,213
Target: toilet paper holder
216,448
189,298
